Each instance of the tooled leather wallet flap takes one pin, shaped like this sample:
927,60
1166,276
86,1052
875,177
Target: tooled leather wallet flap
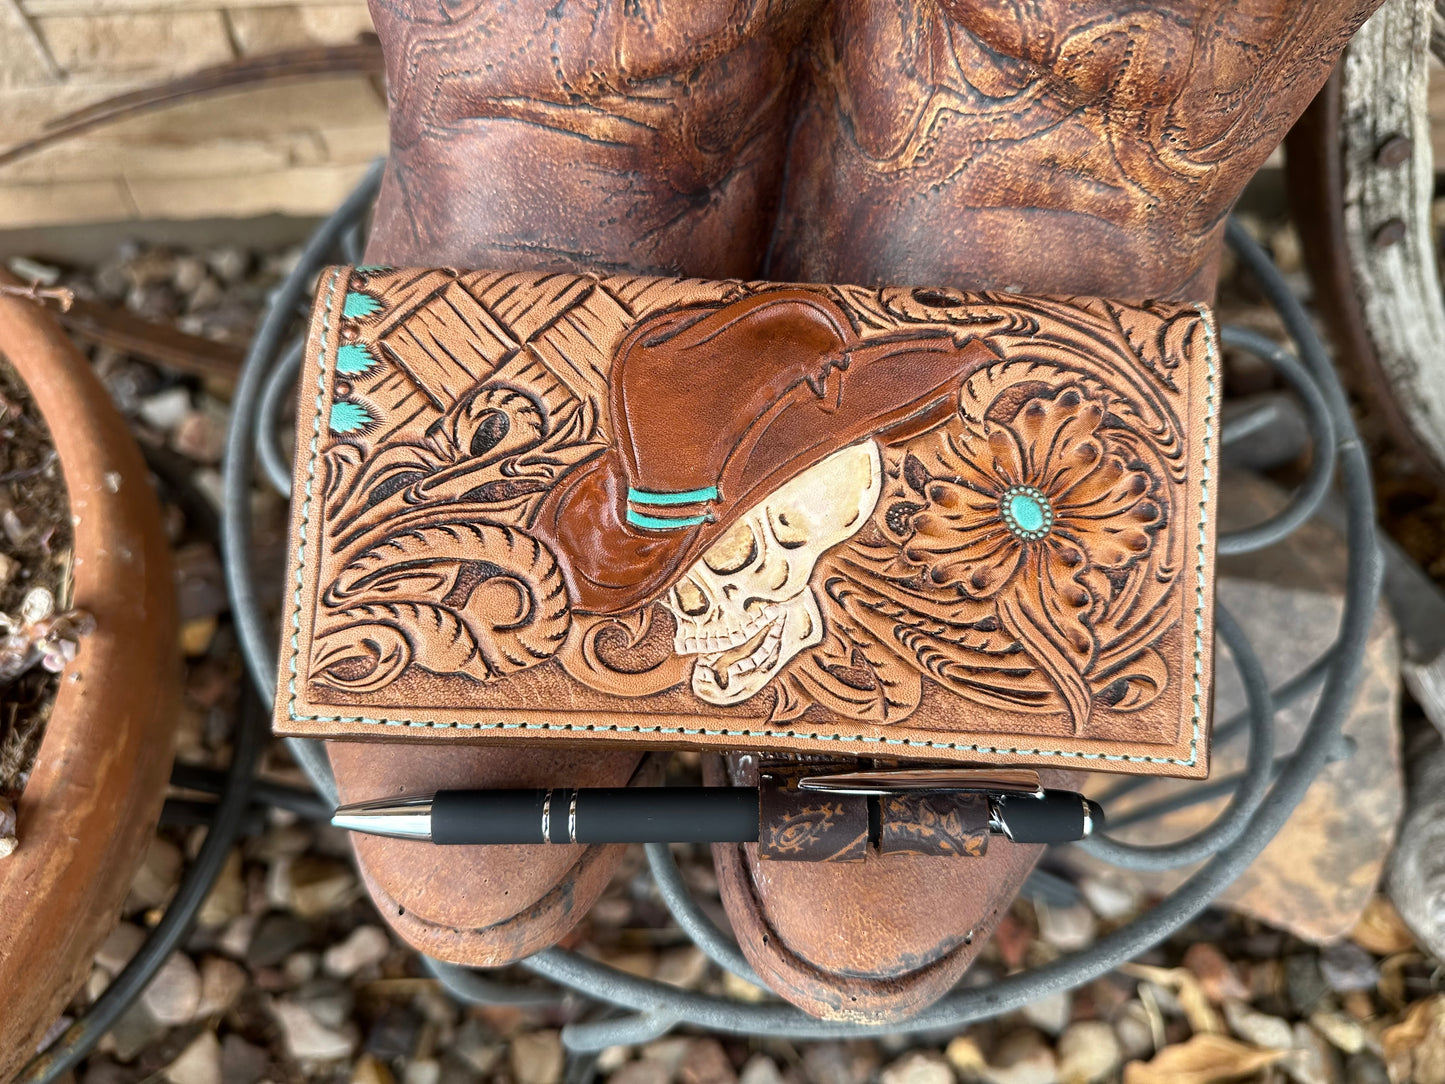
814,519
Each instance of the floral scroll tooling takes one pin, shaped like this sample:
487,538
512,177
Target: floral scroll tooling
1014,559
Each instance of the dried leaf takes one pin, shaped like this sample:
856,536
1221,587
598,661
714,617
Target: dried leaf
1203,1059
1183,984
1381,930
1414,1049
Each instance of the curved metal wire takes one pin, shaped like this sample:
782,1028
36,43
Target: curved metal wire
1228,845
1306,501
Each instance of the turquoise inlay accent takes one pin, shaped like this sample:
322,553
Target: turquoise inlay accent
349,417
637,519
358,305
353,359
371,268
1026,512
687,496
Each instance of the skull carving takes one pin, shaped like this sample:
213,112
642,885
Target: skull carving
746,609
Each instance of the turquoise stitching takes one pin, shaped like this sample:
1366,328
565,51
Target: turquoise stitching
1201,548
656,524
310,479
689,496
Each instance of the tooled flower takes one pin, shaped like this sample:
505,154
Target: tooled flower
1032,512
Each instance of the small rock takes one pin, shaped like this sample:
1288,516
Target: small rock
365,947
300,967
174,995
332,1002
685,967
706,1063
187,273
1024,1057
739,989
165,410
1066,928
1217,976
133,1032
1135,1035
196,635
1304,983
1366,1068
537,1058
276,937
229,263
1088,1051
834,1063
1312,1061
393,1034
1112,898
475,1046
1343,1032
241,1063
1258,1028
199,1063
368,1070
200,435
96,983
319,886
964,1055
222,983
918,1067
119,946
760,1069
1346,967
9,841
307,1039
422,1071
236,938
227,898
157,878
9,569
669,1052
642,1071
1050,1014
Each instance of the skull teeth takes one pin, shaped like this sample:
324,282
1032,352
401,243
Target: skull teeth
694,641
763,657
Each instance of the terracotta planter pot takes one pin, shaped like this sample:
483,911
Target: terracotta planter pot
98,783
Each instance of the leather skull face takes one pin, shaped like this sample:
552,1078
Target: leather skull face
746,608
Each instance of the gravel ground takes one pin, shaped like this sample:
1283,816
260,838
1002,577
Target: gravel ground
291,976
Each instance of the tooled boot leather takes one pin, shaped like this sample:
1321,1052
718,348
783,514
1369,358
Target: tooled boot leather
604,144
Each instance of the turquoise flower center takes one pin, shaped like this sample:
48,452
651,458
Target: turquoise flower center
1026,512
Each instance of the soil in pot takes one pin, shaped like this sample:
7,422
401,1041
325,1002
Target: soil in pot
35,566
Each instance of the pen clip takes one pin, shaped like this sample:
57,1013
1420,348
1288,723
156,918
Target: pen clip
927,780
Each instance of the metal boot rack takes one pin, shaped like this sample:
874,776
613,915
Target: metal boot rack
612,1007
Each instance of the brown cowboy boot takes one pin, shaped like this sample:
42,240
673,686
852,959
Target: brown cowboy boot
545,138
1055,149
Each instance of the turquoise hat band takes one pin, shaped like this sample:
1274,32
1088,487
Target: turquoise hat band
686,496
655,523
660,501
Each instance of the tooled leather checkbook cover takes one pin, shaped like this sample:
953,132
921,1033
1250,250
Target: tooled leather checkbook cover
909,523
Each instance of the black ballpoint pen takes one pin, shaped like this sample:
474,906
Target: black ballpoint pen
659,815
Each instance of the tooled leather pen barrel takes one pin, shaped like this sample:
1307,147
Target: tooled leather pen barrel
656,815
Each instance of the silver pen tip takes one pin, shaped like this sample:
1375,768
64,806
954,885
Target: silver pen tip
399,818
